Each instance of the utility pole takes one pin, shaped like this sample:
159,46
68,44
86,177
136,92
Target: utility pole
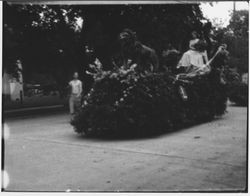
234,4
234,9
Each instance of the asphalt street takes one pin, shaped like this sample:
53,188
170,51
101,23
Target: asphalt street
43,153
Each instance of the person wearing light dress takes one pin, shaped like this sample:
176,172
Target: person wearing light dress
196,57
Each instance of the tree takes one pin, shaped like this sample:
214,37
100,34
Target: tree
51,39
235,35
239,23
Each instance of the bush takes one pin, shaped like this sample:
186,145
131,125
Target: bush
237,90
238,93
126,102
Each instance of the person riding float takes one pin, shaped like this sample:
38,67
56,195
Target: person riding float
195,58
195,61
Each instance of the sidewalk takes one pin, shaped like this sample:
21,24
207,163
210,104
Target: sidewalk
29,111
34,105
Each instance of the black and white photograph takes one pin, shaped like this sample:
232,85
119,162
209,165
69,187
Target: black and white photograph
125,96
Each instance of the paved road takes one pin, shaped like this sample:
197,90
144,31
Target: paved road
44,154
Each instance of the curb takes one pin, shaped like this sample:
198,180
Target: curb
33,111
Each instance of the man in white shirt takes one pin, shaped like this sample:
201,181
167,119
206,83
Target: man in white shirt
75,93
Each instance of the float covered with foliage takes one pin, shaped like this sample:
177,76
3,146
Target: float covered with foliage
124,101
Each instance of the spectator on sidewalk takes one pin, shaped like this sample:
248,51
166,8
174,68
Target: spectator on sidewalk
75,94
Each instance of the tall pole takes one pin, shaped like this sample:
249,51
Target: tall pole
234,9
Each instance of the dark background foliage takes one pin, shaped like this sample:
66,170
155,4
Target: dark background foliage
235,35
45,38
52,46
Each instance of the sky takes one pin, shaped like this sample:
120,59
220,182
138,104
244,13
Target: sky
220,11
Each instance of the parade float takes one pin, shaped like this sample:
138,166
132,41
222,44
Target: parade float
131,100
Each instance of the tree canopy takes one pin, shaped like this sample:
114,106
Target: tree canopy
51,39
235,35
